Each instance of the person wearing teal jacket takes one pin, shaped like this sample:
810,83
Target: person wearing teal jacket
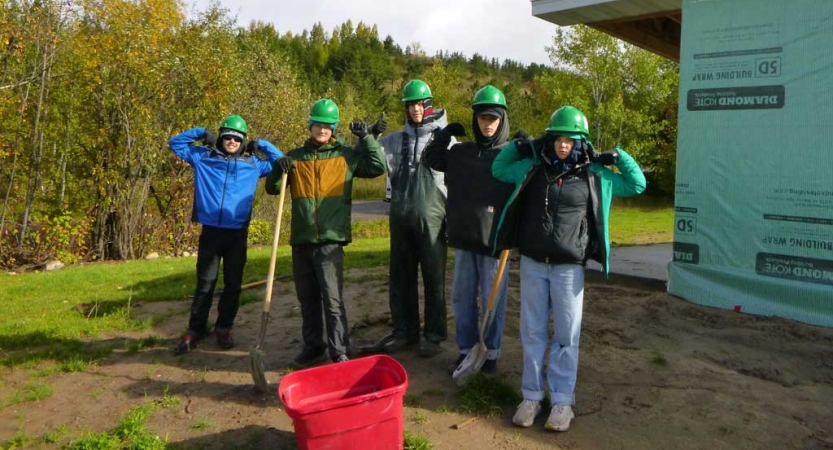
561,207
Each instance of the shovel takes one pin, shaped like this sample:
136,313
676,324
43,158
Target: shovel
477,356
256,354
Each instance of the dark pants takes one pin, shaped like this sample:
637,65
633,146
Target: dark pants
319,279
414,246
215,244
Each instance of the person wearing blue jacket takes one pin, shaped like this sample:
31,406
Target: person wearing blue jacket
225,180
561,206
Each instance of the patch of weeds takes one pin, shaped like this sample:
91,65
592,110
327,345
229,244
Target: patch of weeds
20,440
291,312
32,392
201,424
658,359
417,442
445,409
167,400
516,435
55,435
433,392
727,430
419,418
75,364
487,396
411,400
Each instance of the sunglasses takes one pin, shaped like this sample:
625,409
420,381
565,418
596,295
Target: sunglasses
236,138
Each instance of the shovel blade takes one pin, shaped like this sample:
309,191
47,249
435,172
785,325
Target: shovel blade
470,365
258,370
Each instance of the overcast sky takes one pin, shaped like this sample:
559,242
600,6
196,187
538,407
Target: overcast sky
494,28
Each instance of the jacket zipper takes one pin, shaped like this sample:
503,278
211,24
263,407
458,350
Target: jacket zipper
315,191
223,198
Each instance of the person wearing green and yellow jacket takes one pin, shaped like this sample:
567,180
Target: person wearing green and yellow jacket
561,206
320,180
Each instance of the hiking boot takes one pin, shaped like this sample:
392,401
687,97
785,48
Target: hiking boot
341,358
526,413
309,357
187,343
453,366
224,339
560,417
489,367
429,348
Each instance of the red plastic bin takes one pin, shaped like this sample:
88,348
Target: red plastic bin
355,404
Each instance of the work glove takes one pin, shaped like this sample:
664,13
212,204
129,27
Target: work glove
455,129
283,165
252,147
521,134
608,158
380,126
359,129
209,139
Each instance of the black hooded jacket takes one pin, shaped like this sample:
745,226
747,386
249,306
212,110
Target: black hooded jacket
475,197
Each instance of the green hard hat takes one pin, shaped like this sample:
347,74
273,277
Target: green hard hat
416,90
489,95
324,111
235,123
568,121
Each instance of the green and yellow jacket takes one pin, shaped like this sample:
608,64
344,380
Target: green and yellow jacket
322,187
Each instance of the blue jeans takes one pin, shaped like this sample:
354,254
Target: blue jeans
556,289
473,271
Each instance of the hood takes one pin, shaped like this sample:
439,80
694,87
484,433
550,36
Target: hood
502,134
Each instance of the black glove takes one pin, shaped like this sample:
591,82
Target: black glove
252,147
543,143
209,139
521,134
380,126
608,158
442,136
455,129
359,129
283,165
524,147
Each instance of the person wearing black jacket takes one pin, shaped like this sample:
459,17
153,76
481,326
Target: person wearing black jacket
475,197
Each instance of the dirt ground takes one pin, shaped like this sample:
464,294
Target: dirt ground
656,372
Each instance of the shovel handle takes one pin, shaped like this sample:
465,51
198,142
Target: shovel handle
504,255
270,280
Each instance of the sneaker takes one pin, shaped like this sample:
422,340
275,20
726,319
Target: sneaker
341,358
560,417
453,366
224,339
429,348
489,367
309,357
187,343
526,413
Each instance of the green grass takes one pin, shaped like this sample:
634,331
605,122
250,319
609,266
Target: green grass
487,396
369,189
632,223
130,432
32,392
417,442
201,424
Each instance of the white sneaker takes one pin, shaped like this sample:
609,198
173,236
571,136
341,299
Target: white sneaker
526,413
560,417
